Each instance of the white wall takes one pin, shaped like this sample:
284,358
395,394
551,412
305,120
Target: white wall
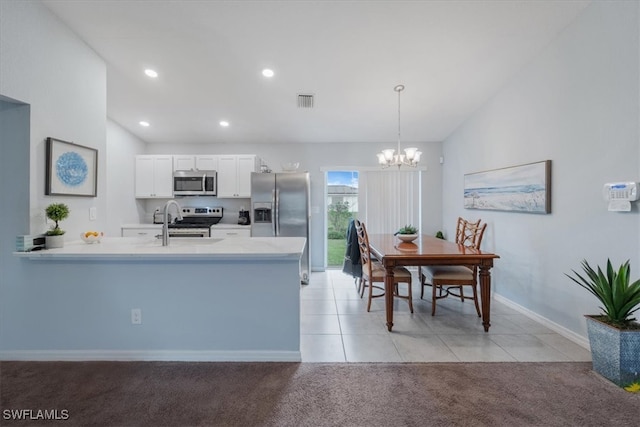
316,158
45,65
62,84
576,104
122,205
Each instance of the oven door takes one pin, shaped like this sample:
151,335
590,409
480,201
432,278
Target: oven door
189,232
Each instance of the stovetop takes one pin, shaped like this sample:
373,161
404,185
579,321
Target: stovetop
198,217
193,223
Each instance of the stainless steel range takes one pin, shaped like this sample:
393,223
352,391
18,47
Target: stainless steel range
196,222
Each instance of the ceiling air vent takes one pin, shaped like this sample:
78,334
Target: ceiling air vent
305,100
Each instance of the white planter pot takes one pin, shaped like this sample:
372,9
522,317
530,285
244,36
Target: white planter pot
52,242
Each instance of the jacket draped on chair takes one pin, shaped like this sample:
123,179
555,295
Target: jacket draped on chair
352,264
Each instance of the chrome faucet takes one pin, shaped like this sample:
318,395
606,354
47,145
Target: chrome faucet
165,221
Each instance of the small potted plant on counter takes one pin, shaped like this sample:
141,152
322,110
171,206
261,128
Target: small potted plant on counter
614,336
55,236
408,233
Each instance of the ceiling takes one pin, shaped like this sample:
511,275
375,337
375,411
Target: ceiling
452,56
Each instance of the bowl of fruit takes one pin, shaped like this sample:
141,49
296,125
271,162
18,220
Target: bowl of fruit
92,236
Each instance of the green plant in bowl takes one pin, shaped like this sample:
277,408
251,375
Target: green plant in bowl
407,229
407,234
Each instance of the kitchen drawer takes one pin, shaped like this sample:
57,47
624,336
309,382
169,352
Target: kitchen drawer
230,233
141,232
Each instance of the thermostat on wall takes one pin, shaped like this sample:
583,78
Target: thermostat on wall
620,195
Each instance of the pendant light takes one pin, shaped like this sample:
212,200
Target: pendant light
411,156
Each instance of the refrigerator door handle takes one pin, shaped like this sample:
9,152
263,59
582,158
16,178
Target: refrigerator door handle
277,218
275,215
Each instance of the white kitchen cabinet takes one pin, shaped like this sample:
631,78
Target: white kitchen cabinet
230,232
154,176
206,162
234,175
140,231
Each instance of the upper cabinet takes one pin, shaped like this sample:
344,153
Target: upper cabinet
154,176
234,175
154,173
207,162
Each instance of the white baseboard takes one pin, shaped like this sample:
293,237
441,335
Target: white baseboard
568,334
151,355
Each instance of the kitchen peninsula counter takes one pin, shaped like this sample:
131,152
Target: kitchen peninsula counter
188,248
200,299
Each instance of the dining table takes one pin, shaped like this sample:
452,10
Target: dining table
429,250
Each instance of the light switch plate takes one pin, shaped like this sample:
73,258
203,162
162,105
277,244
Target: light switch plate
93,213
136,316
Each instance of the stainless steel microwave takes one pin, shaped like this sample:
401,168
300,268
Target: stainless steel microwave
194,183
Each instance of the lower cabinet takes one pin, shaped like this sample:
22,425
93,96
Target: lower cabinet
227,233
224,232
150,231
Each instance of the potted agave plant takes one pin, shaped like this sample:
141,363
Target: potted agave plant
614,336
54,238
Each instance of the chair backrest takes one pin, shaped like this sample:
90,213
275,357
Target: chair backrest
363,243
470,233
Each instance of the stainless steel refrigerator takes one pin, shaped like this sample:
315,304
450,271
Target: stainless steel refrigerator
280,208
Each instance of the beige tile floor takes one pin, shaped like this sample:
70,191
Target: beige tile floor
335,327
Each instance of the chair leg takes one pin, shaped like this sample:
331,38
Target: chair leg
410,295
370,296
433,298
461,293
363,284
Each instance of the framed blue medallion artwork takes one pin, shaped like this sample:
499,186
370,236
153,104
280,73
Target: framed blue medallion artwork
72,169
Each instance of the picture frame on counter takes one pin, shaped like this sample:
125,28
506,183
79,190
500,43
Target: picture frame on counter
71,169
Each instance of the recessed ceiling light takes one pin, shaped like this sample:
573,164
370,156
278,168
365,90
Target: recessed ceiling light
267,72
224,123
145,124
151,73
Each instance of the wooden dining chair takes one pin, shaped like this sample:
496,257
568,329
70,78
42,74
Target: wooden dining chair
451,280
374,272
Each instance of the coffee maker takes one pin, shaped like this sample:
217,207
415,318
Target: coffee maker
243,217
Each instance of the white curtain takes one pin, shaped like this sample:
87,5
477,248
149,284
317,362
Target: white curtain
389,199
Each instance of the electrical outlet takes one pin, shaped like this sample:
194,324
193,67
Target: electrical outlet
136,316
93,213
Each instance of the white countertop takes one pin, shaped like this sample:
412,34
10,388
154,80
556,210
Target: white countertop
180,248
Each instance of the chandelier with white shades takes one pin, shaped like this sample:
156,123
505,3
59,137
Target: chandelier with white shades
411,156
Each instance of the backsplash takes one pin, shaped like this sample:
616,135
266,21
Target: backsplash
230,214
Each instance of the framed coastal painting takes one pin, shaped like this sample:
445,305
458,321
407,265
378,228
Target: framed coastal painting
71,169
522,188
